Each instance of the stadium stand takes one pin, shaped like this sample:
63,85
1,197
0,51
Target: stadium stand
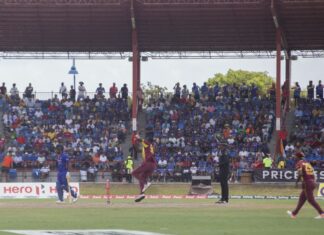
189,128
86,128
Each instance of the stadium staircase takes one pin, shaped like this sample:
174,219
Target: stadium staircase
289,123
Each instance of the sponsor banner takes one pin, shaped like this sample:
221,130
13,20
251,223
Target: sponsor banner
320,192
31,190
277,175
267,197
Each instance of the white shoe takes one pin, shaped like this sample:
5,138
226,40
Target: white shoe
321,216
291,215
140,197
60,202
146,186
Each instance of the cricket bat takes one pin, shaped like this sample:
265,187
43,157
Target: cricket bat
69,196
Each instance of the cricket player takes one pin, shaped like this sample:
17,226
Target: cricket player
146,169
62,174
306,174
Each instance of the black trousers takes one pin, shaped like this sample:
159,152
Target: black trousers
224,188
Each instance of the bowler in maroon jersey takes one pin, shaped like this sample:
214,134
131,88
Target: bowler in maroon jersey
146,169
306,174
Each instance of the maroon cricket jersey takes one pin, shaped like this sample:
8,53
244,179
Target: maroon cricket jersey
306,171
148,152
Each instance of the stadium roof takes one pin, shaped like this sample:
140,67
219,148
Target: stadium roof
105,26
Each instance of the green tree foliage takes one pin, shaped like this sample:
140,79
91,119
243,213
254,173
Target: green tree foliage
261,79
153,91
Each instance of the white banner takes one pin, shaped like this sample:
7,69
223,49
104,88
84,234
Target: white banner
32,190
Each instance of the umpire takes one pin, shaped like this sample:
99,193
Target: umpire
223,173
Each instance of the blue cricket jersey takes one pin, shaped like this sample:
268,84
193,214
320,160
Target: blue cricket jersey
62,168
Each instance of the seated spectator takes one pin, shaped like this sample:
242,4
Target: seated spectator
44,171
92,172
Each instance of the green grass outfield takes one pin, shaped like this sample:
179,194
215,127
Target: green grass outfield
177,216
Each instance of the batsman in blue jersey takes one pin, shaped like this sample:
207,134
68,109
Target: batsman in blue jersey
62,174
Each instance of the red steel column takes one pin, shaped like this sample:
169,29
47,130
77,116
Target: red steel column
136,65
278,89
288,78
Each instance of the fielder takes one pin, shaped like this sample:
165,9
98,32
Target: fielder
306,174
146,169
62,175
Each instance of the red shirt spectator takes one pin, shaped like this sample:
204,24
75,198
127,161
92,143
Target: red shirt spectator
113,91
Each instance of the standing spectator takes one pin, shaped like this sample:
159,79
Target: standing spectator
3,89
184,92
310,91
82,91
204,90
195,91
7,164
177,92
140,98
319,90
72,94
124,92
306,173
14,93
113,91
100,91
135,144
63,90
297,91
29,91
224,165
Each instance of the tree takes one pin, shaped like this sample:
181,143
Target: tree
153,91
261,79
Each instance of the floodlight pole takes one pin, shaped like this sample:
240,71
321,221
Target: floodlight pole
74,74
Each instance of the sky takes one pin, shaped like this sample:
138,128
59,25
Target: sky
47,75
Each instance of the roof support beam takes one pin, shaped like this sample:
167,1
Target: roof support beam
279,27
136,67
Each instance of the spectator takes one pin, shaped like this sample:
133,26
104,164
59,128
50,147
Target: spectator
7,164
100,91
29,91
14,93
319,90
124,92
63,91
72,93
3,89
297,91
92,172
113,91
44,171
82,91
310,91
